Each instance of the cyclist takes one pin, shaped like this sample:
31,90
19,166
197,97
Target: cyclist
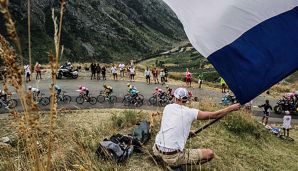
160,93
169,91
3,95
58,89
35,91
84,91
133,91
108,90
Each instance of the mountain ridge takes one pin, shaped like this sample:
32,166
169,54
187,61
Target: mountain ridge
102,30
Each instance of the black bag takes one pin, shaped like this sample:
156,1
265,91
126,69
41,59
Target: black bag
118,148
142,132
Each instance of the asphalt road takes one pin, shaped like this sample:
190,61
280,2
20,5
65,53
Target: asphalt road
120,89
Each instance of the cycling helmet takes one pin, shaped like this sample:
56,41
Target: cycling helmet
167,86
128,85
81,87
156,88
105,85
29,87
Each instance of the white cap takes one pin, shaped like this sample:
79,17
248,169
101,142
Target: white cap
181,94
287,112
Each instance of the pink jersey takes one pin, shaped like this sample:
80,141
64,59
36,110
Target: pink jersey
188,75
83,89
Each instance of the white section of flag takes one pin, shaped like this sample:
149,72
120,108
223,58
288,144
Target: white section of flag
212,24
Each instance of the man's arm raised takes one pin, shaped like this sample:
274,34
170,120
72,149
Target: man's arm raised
204,115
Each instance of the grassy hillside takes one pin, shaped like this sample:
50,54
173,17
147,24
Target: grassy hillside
239,142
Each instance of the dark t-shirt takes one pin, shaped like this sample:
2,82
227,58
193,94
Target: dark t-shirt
266,107
103,70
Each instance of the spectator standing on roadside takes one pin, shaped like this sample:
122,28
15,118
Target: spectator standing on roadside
37,69
27,73
166,73
147,75
162,77
200,81
103,72
93,70
223,85
188,78
98,70
155,75
132,73
114,72
121,68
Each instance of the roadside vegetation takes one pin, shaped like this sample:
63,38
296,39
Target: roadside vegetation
239,142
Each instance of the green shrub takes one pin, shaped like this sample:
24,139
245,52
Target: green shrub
241,123
130,117
125,119
117,121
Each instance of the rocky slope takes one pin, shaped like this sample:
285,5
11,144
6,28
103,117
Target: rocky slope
104,30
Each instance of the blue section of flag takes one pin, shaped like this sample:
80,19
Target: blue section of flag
261,57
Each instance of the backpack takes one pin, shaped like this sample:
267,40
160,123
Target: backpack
118,148
142,132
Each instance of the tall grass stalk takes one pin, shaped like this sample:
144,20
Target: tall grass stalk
54,61
29,34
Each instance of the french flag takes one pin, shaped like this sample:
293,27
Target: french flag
253,44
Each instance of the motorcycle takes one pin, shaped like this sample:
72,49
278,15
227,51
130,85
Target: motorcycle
228,100
286,105
67,72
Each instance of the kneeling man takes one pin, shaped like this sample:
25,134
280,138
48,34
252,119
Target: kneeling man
175,129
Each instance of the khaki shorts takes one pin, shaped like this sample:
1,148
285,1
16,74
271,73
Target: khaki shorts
188,156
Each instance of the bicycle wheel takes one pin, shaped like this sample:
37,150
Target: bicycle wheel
101,98
113,99
66,99
92,100
44,101
125,97
153,100
127,101
80,100
12,103
139,103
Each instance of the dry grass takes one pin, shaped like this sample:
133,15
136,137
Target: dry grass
79,132
28,125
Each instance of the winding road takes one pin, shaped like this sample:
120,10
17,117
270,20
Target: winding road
120,89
